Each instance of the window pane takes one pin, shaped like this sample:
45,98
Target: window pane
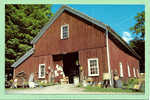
93,67
96,70
94,61
42,71
91,71
65,28
65,32
65,35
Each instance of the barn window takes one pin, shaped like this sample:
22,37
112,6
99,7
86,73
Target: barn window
93,67
65,31
42,71
134,72
129,75
121,70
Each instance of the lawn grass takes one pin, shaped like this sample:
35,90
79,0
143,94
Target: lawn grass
97,89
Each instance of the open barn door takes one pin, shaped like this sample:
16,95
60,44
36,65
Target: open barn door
70,66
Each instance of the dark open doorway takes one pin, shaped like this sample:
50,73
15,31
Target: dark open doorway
70,65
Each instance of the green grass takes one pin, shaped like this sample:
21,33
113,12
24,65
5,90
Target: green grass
97,89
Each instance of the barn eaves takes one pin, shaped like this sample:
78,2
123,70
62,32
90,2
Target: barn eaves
24,57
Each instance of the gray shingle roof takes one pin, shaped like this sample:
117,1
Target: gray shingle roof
24,57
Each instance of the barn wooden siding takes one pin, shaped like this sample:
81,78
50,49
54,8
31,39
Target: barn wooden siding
26,66
99,53
117,55
31,65
82,35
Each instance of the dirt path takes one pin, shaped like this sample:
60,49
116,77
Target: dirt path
57,89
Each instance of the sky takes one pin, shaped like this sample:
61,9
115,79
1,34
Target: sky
119,17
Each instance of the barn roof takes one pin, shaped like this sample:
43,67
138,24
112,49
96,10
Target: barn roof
87,18
24,57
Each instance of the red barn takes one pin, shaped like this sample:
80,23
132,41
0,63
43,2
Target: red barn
72,41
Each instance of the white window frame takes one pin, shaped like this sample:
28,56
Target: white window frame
89,71
40,70
121,69
129,74
134,72
62,31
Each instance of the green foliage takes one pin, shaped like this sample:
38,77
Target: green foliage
22,24
50,84
42,84
11,81
132,82
79,85
139,27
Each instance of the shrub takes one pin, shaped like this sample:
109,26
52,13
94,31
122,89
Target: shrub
135,81
132,82
50,84
42,84
11,81
80,85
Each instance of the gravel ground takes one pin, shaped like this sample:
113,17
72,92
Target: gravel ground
57,89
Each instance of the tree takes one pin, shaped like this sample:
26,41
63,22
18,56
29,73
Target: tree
22,24
139,27
138,43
